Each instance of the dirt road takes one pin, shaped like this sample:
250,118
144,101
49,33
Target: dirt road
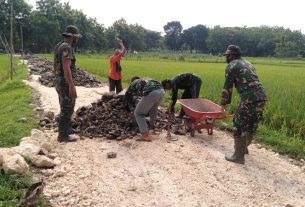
186,173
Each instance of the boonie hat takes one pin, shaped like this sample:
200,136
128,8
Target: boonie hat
71,31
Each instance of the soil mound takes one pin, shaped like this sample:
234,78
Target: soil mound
108,118
44,68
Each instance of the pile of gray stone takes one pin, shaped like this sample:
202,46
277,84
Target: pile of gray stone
44,68
35,150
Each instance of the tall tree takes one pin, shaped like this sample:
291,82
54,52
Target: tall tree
152,39
195,38
50,19
219,38
45,25
22,11
42,28
137,38
173,34
120,28
133,36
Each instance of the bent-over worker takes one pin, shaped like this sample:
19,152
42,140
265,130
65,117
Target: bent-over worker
151,93
191,84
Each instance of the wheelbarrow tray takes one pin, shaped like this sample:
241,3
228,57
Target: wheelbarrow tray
199,109
201,113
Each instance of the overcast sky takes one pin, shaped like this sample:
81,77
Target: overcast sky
154,14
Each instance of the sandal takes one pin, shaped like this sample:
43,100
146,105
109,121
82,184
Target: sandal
144,139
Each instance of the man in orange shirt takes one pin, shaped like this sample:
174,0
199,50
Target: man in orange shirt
115,76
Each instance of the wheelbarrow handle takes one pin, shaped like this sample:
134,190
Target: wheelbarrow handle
168,135
226,116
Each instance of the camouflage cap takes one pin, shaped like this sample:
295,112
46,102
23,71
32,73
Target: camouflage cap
71,31
233,50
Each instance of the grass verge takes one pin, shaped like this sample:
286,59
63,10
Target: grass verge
279,142
15,98
11,188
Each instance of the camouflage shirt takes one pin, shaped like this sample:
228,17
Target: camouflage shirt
242,74
182,81
139,87
63,50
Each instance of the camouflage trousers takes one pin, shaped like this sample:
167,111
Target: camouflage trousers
246,118
66,102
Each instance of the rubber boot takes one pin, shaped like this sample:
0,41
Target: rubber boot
71,130
239,153
249,138
63,127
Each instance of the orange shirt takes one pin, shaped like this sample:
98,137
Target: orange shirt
113,73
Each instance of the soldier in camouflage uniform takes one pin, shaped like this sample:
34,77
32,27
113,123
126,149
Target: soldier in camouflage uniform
152,94
64,67
242,74
191,84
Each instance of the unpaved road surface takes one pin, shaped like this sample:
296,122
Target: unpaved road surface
186,173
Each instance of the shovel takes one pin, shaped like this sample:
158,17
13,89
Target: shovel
169,137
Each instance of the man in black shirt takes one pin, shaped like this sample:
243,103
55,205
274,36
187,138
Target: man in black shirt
191,84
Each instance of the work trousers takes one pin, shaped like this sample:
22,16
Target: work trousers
148,105
66,102
246,118
115,85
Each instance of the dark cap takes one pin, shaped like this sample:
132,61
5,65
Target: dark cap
233,50
134,78
71,31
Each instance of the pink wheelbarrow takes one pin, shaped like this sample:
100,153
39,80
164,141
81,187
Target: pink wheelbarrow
202,114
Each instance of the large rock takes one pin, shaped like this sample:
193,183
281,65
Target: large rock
38,135
42,161
45,144
38,138
27,149
13,162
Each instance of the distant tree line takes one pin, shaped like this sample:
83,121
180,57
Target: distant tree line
42,27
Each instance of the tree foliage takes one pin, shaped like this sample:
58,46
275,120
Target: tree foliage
152,40
42,28
194,38
173,33
257,41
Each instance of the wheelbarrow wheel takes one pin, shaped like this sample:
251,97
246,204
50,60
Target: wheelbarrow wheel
210,129
193,129
188,125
